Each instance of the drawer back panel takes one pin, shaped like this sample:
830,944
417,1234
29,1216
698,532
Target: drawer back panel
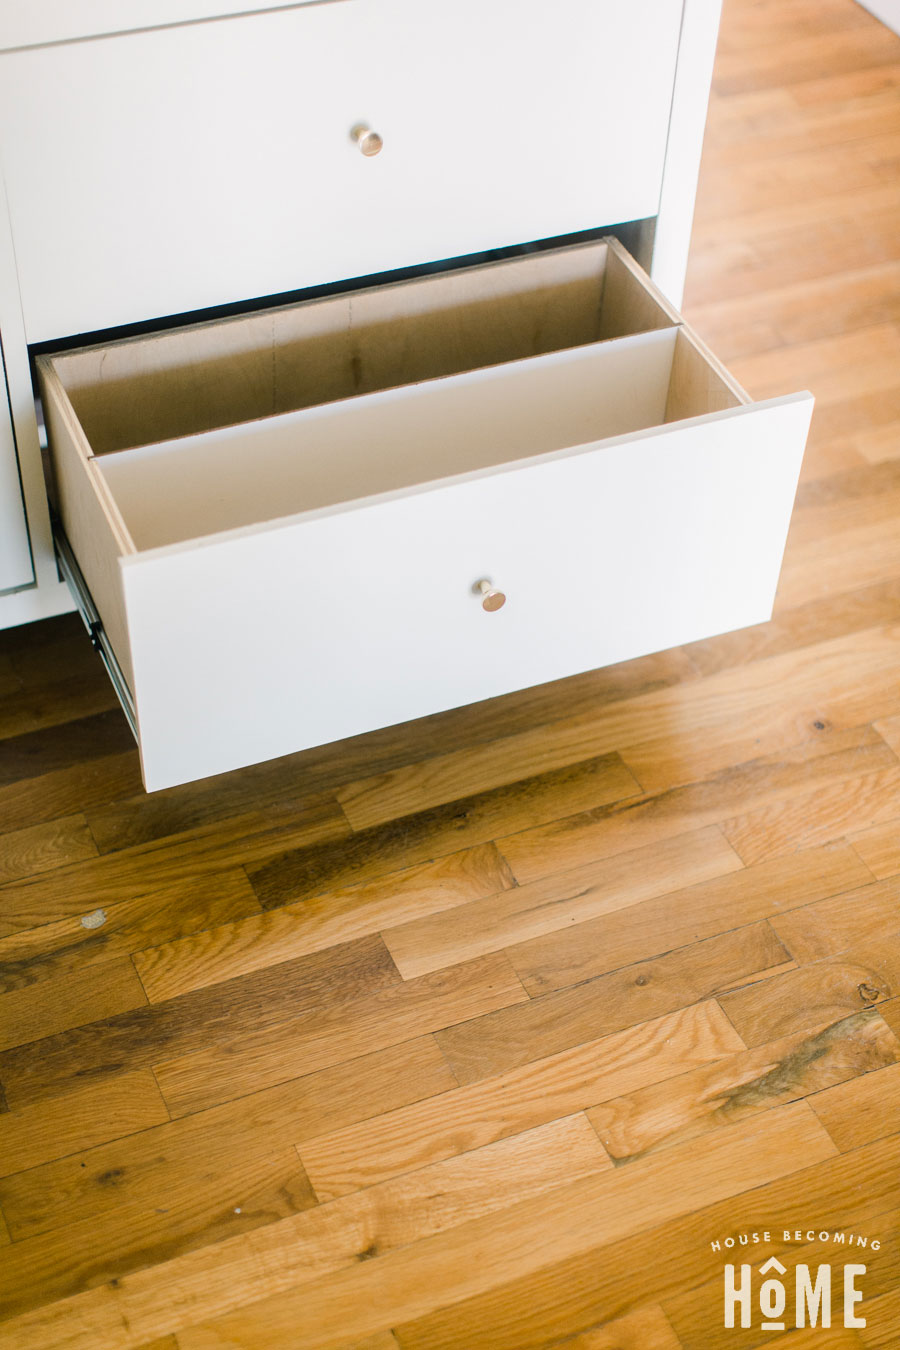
160,172
197,379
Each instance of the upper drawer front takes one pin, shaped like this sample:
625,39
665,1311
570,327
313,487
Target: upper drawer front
158,172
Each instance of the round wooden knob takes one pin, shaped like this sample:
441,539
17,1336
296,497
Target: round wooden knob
368,140
491,598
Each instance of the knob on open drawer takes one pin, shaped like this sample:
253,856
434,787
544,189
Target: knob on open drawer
369,141
492,599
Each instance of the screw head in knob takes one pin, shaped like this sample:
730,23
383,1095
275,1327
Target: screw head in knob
492,599
368,140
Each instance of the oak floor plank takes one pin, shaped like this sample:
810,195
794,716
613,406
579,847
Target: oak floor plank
645,1329
82,1119
761,785
54,949
403,1288
200,1191
879,848
445,778
45,848
566,901
792,629
861,1109
46,794
328,1034
705,909
713,1095
803,310
477,819
882,1322
809,819
43,713
477,1114
73,1000
503,1040
315,923
239,841
830,926
196,1021
65,1261
816,994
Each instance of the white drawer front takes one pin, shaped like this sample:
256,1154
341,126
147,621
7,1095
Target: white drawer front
292,637
159,172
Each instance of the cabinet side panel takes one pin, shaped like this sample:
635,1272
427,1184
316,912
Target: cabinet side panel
16,567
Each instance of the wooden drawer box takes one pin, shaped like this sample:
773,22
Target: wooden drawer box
284,518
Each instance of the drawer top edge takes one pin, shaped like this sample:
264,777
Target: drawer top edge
802,399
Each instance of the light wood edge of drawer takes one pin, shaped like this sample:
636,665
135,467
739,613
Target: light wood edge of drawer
88,512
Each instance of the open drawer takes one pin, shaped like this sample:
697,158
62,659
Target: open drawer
286,520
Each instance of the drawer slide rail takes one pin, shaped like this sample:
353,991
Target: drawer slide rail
74,579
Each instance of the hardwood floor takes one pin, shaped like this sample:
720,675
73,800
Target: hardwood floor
476,1034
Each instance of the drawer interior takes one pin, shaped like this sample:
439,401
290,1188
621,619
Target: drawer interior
405,437
186,381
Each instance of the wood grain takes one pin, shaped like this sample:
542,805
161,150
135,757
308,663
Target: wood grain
828,927
131,872
564,902
579,1291
587,1214
72,1000
473,820
656,926
742,1084
43,848
314,924
82,1119
44,795
84,1255
194,1022
501,1040
817,994
646,1329
329,1034
861,1109
55,949
767,784
478,1114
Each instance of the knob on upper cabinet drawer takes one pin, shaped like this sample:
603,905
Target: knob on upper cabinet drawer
492,599
369,141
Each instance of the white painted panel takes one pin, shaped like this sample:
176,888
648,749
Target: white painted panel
389,441
696,54
16,568
28,23
888,11
169,170
261,643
